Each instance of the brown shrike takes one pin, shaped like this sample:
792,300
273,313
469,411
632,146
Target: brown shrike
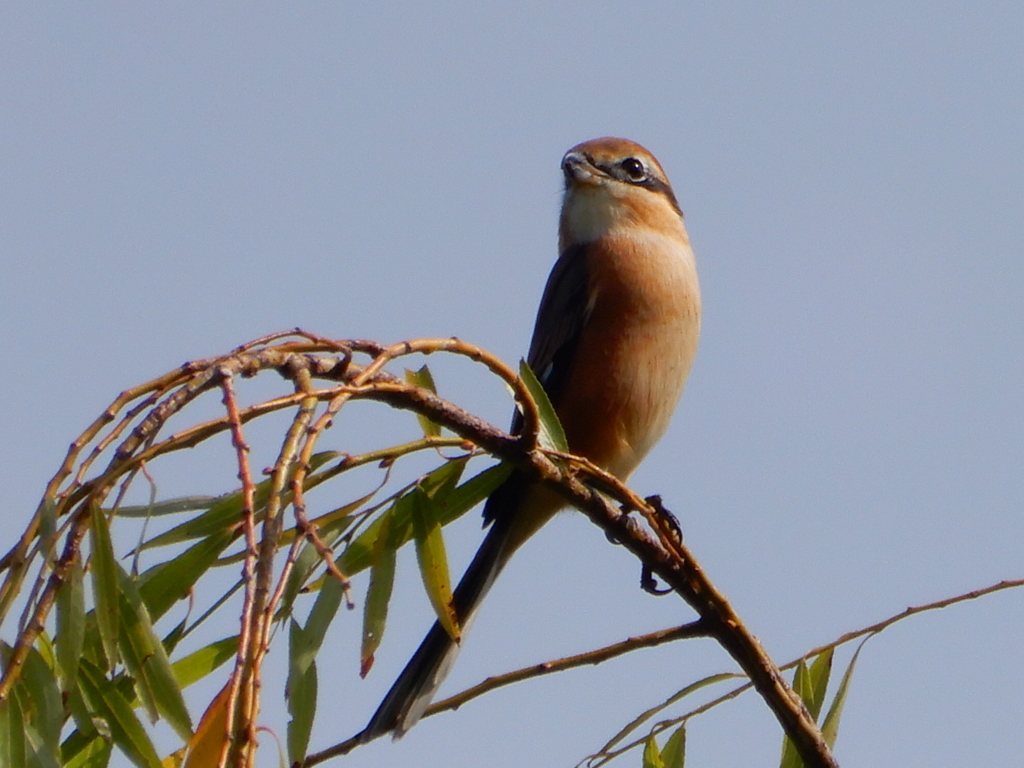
615,337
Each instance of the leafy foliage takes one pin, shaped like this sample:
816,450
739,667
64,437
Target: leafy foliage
95,655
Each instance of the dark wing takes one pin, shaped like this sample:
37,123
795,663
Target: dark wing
563,313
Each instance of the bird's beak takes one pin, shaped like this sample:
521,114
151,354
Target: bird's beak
579,169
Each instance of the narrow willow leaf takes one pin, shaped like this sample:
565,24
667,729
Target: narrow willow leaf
817,679
104,584
13,745
94,753
83,718
551,433
433,562
45,647
330,528
199,664
36,753
305,563
166,583
301,693
472,492
445,477
646,715
359,554
48,523
801,687
810,684
303,646
125,729
175,636
652,755
378,595
45,708
226,513
132,659
830,727
324,609
92,645
169,506
70,626
674,753
147,660
204,749
424,380
317,460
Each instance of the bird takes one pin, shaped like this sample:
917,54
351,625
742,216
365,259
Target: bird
613,343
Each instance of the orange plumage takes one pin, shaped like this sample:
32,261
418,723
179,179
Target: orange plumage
615,337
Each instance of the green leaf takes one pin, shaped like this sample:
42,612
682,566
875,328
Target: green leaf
301,694
169,507
226,513
70,626
810,685
378,595
323,611
146,659
42,705
305,563
817,678
442,481
125,728
94,753
551,436
466,496
359,554
801,687
199,664
36,753
830,728
303,646
83,718
647,714
309,558
652,755
424,380
317,460
104,584
674,753
92,645
433,561
48,524
14,748
166,583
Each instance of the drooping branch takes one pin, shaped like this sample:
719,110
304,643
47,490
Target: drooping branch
138,416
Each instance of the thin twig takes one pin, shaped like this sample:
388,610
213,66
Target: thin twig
683,632
246,629
605,754
597,656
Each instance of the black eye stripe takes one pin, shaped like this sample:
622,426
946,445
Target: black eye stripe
647,181
661,187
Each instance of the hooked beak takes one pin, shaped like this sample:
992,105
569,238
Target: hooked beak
579,168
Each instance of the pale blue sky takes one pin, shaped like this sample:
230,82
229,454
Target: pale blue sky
178,179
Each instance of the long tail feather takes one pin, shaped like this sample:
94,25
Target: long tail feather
415,687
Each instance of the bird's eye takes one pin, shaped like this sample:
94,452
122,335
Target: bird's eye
634,169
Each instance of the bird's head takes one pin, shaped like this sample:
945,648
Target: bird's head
613,184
